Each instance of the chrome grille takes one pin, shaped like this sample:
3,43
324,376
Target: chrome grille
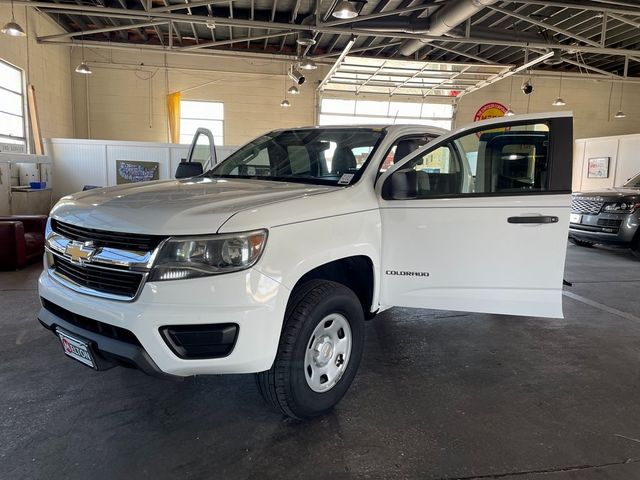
581,205
123,283
106,239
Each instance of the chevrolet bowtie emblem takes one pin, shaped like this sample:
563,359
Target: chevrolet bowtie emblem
80,251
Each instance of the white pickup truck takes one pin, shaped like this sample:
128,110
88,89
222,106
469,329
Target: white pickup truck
271,261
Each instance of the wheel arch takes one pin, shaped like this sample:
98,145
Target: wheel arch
356,272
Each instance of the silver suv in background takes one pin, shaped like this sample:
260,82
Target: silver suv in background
608,217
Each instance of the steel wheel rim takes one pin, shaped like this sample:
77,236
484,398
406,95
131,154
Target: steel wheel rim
328,352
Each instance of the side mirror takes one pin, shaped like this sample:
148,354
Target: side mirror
188,169
402,185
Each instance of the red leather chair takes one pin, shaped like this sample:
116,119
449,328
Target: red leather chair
21,240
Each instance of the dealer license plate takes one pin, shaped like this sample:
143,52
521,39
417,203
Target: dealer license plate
76,348
575,218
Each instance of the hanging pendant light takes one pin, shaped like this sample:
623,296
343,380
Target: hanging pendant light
344,10
13,29
559,102
285,103
293,90
620,113
509,112
83,68
308,64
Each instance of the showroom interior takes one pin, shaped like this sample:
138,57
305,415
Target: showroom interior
325,205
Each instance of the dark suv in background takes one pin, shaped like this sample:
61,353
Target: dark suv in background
608,217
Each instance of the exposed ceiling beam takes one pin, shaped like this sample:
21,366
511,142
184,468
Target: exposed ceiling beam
541,24
624,20
582,5
337,64
461,53
506,73
201,19
184,6
219,43
92,31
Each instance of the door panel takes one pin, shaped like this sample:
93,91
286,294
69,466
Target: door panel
494,240
475,259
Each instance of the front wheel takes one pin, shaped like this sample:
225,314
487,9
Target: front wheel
319,351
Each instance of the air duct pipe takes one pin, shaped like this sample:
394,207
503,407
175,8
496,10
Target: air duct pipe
446,19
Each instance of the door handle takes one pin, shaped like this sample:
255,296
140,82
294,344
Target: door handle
533,219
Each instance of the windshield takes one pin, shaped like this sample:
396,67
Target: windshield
331,156
634,182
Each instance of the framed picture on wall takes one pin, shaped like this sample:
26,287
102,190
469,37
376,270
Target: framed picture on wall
133,171
598,167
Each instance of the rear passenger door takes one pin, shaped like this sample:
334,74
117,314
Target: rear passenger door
477,220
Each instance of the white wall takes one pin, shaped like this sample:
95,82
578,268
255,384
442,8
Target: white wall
46,67
124,100
624,161
587,98
78,162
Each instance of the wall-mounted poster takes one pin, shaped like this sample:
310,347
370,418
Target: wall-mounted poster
133,171
598,167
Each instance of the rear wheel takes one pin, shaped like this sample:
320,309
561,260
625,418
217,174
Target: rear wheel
581,243
319,351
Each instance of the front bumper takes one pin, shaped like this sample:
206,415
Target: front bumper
606,228
253,301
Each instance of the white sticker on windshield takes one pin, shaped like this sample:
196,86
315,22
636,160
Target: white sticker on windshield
346,178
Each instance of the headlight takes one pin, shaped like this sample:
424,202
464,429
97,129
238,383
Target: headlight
193,257
620,207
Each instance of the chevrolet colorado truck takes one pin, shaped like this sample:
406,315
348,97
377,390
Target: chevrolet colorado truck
271,261
607,217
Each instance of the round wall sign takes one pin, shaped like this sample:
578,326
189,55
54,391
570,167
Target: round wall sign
490,110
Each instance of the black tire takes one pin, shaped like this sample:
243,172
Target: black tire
581,243
284,386
635,246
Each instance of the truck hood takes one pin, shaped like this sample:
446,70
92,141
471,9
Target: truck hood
613,194
175,207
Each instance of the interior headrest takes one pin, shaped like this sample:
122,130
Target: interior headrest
404,148
343,160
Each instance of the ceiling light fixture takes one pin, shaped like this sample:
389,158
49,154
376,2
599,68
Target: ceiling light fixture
13,29
620,113
344,10
305,37
509,112
83,68
308,64
285,103
559,102
293,90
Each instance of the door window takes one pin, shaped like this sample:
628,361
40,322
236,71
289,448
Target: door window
401,148
510,160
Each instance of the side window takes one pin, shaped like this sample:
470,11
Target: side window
403,147
505,160
437,172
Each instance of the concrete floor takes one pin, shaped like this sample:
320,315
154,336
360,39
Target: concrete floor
439,395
